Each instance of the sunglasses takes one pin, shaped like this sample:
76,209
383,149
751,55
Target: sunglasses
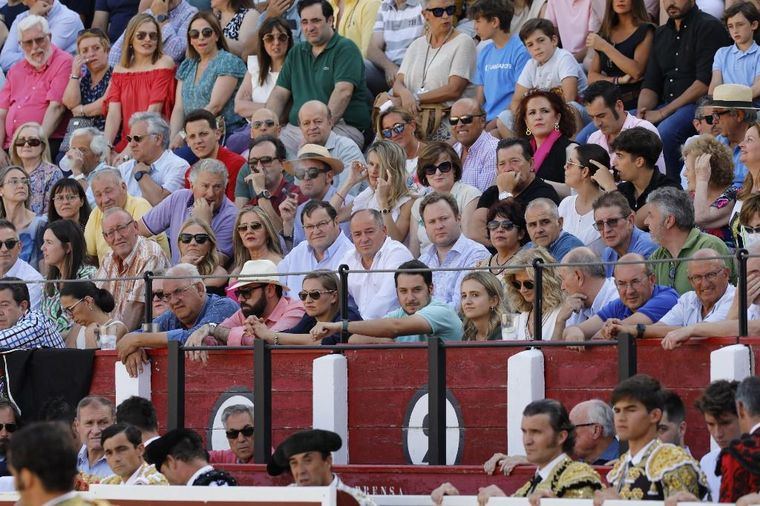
396,129
443,167
280,37
246,431
269,123
243,227
10,427
716,115
159,295
495,224
136,138
309,173
438,11
528,285
199,238
34,42
70,310
247,291
266,161
150,35
206,32
314,294
751,230
610,223
466,119
9,243
31,141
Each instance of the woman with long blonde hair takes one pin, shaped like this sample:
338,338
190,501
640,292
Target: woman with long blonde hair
197,246
521,292
254,238
481,306
387,192
750,157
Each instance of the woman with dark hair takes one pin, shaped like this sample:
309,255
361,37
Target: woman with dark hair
63,249
439,168
580,171
68,201
239,19
548,122
89,307
321,299
482,295
622,48
208,78
505,228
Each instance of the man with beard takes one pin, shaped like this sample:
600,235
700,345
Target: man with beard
260,294
8,424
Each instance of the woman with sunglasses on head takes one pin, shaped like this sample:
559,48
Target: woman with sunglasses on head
254,238
208,78
15,194
397,125
482,307
505,228
64,252
580,173
436,70
30,150
521,293
440,169
321,300
197,246
142,81
68,201
89,306
90,76
387,191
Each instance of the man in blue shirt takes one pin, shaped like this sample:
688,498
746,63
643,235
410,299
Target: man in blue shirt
733,113
499,63
544,226
615,221
642,302
419,317
190,308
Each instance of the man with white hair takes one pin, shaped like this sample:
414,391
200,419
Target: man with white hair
544,226
595,441
190,307
586,287
63,26
154,171
86,155
204,200
34,87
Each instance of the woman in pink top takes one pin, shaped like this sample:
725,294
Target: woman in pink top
143,81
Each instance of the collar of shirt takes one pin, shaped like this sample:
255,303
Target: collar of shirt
734,49
545,471
53,53
457,248
690,242
62,498
306,46
635,459
607,293
83,458
136,474
357,257
122,265
199,472
725,299
331,142
556,241
685,20
282,306
332,249
754,428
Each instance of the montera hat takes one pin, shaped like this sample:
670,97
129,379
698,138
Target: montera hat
317,440
157,451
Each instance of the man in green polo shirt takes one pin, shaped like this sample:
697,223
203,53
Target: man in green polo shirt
671,225
328,68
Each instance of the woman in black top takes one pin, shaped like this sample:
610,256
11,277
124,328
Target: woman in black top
622,48
321,300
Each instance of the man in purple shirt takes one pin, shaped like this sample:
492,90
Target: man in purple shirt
205,200
475,146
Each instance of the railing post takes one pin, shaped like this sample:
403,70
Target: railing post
538,277
262,401
436,402
148,275
627,360
176,390
343,274
741,258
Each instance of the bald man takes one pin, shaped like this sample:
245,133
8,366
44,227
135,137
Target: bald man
316,126
262,122
641,302
595,441
709,301
475,146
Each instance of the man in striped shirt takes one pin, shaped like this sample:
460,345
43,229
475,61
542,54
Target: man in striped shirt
19,327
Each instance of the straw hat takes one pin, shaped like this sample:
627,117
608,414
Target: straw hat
732,96
260,272
314,152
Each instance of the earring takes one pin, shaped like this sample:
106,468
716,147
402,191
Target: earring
527,132
556,126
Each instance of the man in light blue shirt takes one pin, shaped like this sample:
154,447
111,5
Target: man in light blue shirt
93,415
419,317
499,63
324,247
544,226
450,247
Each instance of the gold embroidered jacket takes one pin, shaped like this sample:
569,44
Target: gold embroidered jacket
568,479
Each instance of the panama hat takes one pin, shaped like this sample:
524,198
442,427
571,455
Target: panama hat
732,96
314,152
261,272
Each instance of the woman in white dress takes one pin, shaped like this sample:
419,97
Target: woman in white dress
575,210
521,291
89,306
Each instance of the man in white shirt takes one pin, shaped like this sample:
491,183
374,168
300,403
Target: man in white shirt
450,247
324,247
708,302
154,171
374,294
586,287
12,266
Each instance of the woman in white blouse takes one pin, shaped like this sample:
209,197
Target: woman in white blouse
575,210
386,192
521,290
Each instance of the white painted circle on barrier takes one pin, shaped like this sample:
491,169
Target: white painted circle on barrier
415,430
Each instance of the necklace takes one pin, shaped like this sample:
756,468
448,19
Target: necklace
425,66
495,257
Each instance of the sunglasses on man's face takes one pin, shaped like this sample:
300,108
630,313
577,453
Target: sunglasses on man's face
9,427
246,431
9,243
198,238
206,32
308,173
438,11
466,119
269,123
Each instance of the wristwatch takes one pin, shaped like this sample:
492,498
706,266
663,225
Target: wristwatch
264,195
640,329
504,195
211,327
139,175
161,18
79,177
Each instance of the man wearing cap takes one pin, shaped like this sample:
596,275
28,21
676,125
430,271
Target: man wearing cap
260,294
733,113
306,455
180,456
314,171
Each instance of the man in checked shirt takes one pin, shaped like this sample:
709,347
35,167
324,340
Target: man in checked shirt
20,327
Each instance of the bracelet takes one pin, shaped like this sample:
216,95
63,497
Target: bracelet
615,80
276,339
345,326
74,77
